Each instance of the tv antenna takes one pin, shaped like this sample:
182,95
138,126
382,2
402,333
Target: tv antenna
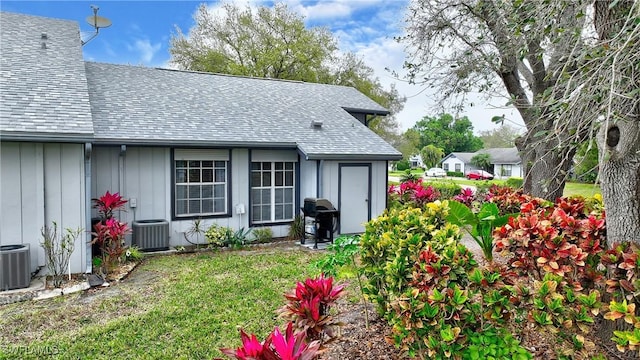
97,22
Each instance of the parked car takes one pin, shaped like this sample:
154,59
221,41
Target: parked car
479,175
436,172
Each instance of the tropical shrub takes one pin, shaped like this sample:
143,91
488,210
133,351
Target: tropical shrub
403,165
262,234
393,242
296,229
411,193
564,239
407,175
216,235
514,182
109,234
446,189
308,307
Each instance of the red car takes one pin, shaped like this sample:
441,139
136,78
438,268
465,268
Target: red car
479,175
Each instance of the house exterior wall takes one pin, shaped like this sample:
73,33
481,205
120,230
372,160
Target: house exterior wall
500,169
378,183
41,183
144,174
452,161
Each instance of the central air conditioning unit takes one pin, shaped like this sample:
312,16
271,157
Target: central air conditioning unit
15,265
151,235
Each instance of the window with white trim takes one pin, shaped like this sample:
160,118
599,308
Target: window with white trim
458,167
272,191
200,187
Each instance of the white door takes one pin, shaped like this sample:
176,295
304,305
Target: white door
354,204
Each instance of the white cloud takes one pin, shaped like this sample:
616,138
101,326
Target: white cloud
145,49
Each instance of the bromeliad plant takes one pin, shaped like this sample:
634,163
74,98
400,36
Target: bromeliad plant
277,346
308,307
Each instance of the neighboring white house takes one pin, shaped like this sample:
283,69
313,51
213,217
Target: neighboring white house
415,161
506,162
179,145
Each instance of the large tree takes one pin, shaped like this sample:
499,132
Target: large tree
459,46
267,42
274,42
501,137
448,133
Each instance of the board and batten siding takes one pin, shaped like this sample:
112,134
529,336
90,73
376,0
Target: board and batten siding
140,173
39,184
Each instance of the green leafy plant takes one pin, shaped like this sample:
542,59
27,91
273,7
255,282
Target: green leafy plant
296,229
237,239
446,189
262,234
481,225
407,175
133,253
58,250
514,182
341,261
216,235
392,243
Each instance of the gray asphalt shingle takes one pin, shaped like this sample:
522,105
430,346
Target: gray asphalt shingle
133,103
42,90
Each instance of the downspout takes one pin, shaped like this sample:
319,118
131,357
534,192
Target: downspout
87,204
320,182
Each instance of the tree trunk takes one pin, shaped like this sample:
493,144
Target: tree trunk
620,179
545,165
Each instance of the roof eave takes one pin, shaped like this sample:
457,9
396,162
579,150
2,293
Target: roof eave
46,137
363,157
197,143
366,111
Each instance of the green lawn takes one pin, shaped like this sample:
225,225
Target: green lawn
190,307
586,190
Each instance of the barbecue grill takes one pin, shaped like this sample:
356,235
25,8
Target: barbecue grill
324,217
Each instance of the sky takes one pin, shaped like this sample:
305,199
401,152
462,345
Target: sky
141,30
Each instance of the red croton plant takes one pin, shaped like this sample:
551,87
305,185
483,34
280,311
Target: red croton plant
414,192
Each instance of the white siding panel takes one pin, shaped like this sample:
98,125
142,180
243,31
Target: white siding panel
274,155
22,195
201,154
308,179
64,194
104,172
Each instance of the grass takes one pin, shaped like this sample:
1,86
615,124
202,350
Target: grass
195,305
586,190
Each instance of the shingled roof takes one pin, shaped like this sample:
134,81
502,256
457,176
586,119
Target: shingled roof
43,86
134,105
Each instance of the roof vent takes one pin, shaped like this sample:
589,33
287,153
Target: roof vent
44,36
316,124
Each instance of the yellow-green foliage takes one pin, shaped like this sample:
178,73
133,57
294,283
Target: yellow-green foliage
216,235
392,242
